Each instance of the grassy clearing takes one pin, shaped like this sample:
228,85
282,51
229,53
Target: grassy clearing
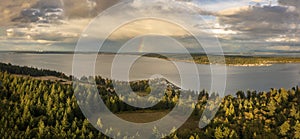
146,116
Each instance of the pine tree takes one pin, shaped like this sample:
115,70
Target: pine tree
27,132
91,136
271,107
41,128
284,128
192,137
297,130
219,133
99,123
293,111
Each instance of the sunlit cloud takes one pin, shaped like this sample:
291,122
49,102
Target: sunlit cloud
283,38
245,25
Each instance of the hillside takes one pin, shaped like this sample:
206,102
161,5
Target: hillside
34,108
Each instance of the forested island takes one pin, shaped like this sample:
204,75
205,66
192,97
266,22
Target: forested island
34,108
231,60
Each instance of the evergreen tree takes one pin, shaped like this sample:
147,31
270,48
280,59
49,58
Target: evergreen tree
297,130
284,128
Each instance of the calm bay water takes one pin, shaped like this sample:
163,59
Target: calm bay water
238,78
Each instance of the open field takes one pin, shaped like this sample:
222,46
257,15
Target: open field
47,78
153,115
142,116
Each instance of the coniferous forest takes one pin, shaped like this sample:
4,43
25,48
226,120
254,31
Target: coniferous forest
32,108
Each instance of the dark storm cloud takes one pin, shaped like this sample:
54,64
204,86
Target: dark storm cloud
265,19
86,8
77,8
49,3
91,8
295,3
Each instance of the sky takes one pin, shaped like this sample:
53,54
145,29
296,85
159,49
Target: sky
241,26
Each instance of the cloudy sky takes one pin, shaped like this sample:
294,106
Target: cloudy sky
245,26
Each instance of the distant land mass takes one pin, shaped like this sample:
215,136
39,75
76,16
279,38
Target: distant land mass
231,59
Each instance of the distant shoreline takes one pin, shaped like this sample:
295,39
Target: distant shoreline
237,60
249,54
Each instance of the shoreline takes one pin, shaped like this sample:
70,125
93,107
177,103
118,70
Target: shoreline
231,60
